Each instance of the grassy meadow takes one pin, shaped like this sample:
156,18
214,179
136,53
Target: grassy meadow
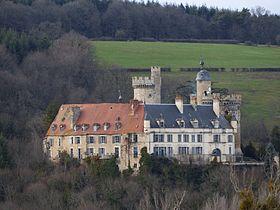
176,55
260,90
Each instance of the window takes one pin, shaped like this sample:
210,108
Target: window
182,150
216,138
169,138
229,150
77,140
230,138
59,142
102,140
186,138
135,138
116,139
79,154
199,138
101,152
199,150
156,151
161,124
182,124
179,138
135,152
196,150
91,139
170,151
106,126
51,141
162,151
158,138
117,152
72,140
96,126
90,151
71,153
193,138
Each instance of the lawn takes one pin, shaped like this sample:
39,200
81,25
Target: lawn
175,55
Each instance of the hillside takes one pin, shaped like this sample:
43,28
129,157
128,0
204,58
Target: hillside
260,90
177,55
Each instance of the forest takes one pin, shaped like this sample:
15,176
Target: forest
46,60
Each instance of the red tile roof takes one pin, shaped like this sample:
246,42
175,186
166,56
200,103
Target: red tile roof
102,113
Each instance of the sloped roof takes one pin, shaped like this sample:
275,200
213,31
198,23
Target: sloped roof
203,75
203,113
100,113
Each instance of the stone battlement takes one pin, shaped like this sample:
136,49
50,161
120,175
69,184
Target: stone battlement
142,81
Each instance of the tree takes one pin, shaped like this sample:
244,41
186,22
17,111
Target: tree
5,160
275,138
145,161
250,151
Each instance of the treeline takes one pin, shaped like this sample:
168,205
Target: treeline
138,20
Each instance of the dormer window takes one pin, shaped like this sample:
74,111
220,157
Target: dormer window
106,126
160,123
96,126
118,124
194,123
180,122
53,127
85,127
62,127
76,127
216,123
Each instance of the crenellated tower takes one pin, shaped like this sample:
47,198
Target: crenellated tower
148,89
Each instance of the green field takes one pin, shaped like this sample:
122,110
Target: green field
260,90
176,55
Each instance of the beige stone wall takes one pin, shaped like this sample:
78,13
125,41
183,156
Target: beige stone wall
148,89
201,87
156,77
126,150
147,94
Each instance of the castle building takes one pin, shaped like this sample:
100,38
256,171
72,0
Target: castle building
208,128
148,89
105,129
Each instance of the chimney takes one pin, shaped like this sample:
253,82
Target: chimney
179,103
74,115
216,104
133,106
193,99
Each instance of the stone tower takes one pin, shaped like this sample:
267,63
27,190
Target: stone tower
229,104
203,85
148,89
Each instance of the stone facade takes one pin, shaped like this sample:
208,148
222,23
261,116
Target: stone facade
230,104
148,89
208,128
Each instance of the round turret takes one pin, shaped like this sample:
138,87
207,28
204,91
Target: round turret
203,75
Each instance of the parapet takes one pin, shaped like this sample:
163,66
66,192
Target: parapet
155,68
142,82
